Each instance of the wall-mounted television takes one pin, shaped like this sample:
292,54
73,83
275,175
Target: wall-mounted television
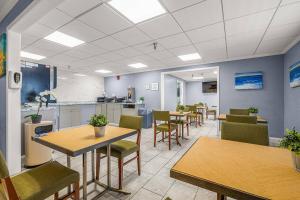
210,87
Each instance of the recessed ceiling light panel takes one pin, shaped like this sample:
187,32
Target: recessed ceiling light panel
103,71
138,10
78,74
138,65
188,57
198,77
64,39
31,55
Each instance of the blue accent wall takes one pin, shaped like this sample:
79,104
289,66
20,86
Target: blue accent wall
15,11
291,95
269,100
35,80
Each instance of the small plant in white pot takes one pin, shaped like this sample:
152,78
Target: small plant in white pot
99,123
253,111
291,141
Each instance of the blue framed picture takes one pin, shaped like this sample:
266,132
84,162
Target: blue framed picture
249,81
295,75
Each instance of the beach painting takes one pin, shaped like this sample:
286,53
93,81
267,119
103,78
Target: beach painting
295,75
249,81
2,54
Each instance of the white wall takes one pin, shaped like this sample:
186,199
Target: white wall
75,88
195,95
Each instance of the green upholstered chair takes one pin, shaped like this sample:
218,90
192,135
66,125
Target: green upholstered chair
162,124
194,116
123,148
200,111
242,132
210,111
38,183
237,111
241,119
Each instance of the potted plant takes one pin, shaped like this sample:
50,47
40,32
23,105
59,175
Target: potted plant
253,111
99,123
41,98
180,108
291,141
142,99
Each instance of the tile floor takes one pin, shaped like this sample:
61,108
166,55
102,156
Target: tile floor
154,182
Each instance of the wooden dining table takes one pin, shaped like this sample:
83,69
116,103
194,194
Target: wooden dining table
178,114
239,170
81,140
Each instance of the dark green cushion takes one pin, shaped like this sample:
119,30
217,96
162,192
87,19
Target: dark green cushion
121,148
165,127
242,132
42,182
237,111
3,168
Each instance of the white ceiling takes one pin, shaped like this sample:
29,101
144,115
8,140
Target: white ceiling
217,29
207,74
5,7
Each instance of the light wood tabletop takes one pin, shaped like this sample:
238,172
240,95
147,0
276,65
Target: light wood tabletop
239,170
178,114
222,117
77,140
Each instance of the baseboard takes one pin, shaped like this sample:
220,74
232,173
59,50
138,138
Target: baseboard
274,141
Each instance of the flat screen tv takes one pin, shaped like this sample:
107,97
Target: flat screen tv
210,87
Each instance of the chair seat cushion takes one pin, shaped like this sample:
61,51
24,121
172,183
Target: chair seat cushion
43,181
165,127
121,148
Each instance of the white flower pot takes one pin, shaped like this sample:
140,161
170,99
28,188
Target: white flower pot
296,161
99,131
253,114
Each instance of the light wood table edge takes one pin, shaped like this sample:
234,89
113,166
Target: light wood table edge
212,186
84,150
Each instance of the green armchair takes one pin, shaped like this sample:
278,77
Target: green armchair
243,132
236,111
241,119
38,183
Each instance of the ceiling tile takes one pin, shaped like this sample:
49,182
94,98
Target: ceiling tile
160,54
131,36
90,49
249,23
46,47
210,45
174,41
287,30
274,46
128,52
199,15
63,59
28,39
284,2
76,53
55,19
207,33
238,8
110,56
287,14
236,51
108,43
160,27
105,19
251,37
173,5
183,50
148,47
81,31
38,30
76,7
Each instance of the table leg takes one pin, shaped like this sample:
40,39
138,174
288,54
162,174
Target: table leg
93,164
221,197
108,166
84,176
69,166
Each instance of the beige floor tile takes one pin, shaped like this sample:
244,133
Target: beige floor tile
146,195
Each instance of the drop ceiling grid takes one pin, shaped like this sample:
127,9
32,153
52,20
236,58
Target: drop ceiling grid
151,39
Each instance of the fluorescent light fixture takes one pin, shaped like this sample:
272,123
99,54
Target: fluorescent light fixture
192,56
215,72
33,56
103,71
198,77
138,65
138,10
64,39
78,74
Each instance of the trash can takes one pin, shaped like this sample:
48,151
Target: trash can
147,117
